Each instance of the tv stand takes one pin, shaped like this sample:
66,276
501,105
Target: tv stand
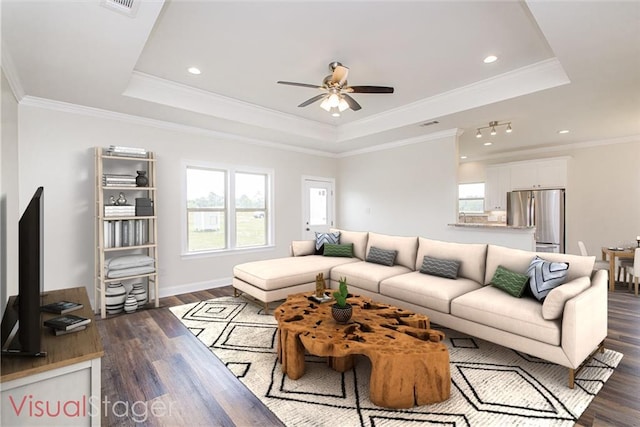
69,374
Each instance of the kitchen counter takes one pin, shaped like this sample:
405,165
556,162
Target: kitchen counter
490,226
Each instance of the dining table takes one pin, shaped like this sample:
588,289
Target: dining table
612,253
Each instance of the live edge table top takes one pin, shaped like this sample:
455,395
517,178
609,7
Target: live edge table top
409,361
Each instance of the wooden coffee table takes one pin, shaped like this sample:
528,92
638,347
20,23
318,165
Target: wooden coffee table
409,362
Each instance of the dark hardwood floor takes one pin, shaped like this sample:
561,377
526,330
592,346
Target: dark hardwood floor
156,373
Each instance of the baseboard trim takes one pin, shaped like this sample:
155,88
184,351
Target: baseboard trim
194,287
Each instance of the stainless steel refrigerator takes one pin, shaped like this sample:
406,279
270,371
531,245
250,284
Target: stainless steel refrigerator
543,209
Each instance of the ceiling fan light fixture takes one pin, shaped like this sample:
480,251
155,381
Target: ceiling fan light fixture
325,104
478,134
335,112
342,105
334,100
493,130
509,130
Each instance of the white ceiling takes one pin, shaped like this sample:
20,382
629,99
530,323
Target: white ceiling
561,65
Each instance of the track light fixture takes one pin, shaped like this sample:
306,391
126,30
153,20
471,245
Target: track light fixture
492,126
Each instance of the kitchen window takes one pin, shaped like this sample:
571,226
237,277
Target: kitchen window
471,198
227,208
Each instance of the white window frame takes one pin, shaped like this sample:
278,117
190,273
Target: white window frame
483,198
230,208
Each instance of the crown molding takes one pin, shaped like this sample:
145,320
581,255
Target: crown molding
9,69
66,107
555,148
161,91
408,141
522,81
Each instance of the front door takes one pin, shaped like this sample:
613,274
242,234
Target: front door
317,206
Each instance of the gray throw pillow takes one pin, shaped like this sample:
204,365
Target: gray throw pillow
545,275
440,267
381,256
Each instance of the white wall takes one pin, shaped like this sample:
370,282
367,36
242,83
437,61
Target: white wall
409,190
603,196
8,194
56,151
603,193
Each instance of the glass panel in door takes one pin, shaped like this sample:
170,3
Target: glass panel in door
318,207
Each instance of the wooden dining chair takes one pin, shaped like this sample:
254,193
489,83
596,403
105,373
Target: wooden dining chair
634,271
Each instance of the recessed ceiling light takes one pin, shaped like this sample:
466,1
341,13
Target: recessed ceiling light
489,59
488,143
563,131
463,157
194,70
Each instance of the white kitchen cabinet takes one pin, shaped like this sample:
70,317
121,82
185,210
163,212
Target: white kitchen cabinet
497,184
538,174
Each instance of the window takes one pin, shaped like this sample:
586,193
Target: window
226,208
471,198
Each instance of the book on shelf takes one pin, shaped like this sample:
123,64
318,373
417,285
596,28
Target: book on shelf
67,322
61,307
118,150
58,332
127,232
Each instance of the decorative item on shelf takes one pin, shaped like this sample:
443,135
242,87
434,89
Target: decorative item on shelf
139,292
144,206
130,304
341,310
115,294
141,179
112,200
320,285
638,240
121,200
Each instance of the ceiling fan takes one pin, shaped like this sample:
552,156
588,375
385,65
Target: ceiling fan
335,96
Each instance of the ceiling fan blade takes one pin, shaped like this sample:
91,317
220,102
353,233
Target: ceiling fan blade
339,75
368,89
300,84
312,100
352,102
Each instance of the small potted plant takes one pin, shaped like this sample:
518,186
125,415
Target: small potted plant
341,310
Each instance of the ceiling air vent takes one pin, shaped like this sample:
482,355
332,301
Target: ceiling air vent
126,7
432,122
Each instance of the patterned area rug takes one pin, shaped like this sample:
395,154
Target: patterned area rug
491,385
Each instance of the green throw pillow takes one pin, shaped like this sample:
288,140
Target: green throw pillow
509,281
334,249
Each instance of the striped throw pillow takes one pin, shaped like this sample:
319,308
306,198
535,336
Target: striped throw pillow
440,267
382,256
344,250
509,281
322,238
545,275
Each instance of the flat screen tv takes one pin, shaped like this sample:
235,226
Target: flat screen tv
22,323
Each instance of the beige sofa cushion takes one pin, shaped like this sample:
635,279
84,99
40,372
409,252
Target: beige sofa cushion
283,272
518,260
427,291
472,256
495,308
303,247
553,305
366,275
358,238
407,247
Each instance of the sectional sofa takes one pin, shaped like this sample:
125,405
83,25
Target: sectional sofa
566,328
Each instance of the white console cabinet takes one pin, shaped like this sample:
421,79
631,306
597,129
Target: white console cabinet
62,388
